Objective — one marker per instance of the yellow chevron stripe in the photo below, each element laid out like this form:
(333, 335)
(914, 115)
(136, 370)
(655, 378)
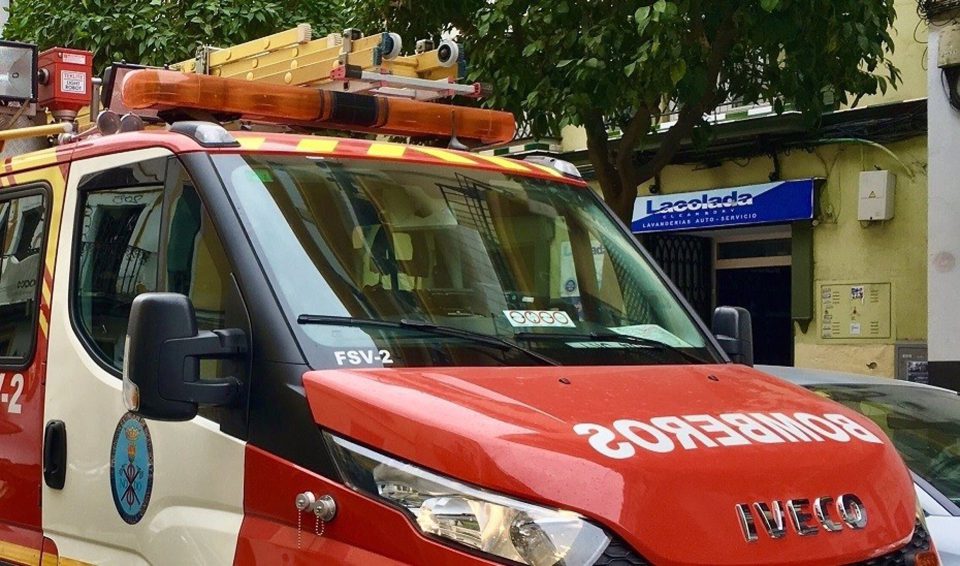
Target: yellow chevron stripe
(45, 291)
(18, 554)
(44, 324)
(33, 159)
(58, 184)
(545, 169)
(318, 145)
(505, 163)
(386, 150)
(446, 155)
(251, 143)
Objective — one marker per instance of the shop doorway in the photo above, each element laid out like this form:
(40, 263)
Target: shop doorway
(746, 267)
(752, 270)
(765, 292)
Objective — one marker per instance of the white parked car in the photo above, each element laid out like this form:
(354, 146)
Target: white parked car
(924, 424)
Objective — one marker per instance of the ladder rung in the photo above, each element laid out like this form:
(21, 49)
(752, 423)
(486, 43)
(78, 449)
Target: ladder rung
(281, 60)
(299, 34)
(291, 57)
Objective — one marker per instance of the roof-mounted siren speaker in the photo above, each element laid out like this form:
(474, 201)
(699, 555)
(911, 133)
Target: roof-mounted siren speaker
(18, 77)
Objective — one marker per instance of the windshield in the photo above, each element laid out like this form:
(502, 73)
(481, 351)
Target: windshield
(537, 263)
(924, 425)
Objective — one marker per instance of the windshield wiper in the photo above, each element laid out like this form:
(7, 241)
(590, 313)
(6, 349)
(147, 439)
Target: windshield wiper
(426, 327)
(612, 337)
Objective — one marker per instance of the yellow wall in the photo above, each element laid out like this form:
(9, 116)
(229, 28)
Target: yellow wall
(910, 38)
(844, 249)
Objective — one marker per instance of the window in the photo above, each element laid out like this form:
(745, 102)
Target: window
(143, 229)
(22, 228)
(470, 249)
(196, 264)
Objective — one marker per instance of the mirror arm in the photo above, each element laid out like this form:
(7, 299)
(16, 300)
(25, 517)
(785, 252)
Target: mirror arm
(186, 352)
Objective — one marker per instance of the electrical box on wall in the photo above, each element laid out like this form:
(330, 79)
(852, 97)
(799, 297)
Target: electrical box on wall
(948, 54)
(876, 195)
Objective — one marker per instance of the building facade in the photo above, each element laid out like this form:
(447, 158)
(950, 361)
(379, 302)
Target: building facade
(769, 217)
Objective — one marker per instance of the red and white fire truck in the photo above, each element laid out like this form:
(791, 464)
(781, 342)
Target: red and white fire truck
(242, 346)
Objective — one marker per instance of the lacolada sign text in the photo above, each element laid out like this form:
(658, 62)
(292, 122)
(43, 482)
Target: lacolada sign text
(781, 201)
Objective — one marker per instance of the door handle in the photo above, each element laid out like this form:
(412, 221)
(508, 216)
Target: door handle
(55, 454)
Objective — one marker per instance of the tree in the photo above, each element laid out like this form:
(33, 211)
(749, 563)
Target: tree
(612, 65)
(154, 32)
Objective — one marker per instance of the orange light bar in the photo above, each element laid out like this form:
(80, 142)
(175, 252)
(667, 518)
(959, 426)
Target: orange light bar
(168, 90)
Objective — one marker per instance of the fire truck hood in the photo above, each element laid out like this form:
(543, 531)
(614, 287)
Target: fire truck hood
(660, 455)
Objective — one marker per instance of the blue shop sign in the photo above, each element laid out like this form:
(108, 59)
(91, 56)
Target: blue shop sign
(780, 201)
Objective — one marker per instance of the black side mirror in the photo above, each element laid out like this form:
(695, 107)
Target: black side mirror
(734, 330)
(161, 366)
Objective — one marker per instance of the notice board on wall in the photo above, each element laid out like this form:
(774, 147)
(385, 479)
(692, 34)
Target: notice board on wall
(854, 310)
(911, 361)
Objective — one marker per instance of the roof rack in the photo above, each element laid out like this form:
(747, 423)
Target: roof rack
(287, 79)
(346, 62)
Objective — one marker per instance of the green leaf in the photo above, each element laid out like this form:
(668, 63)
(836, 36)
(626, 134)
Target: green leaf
(769, 5)
(629, 69)
(678, 70)
(531, 48)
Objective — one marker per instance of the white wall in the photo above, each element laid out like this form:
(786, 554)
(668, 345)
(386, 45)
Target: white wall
(4, 13)
(943, 227)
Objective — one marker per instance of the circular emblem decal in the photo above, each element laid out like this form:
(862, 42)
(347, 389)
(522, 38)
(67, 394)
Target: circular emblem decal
(131, 467)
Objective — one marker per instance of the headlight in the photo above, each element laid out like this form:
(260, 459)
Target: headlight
(478, 519)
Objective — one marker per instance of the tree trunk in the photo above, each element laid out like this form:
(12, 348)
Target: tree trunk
(618, 195)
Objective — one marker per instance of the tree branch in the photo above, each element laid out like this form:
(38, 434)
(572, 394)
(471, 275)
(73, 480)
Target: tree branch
(638, 126)
(691, 114)
(598, 150)
(697, 33)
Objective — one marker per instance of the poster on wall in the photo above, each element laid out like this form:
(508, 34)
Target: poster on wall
(911, 359)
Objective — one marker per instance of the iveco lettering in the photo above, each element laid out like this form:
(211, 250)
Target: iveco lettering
(223, 342)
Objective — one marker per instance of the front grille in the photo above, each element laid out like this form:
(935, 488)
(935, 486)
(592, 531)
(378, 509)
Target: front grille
(619, 554)
(905, 555)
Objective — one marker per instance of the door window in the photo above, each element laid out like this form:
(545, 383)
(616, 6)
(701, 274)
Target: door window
(22, 226)
(143, 229)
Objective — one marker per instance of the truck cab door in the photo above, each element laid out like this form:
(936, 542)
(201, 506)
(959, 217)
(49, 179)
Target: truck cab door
(25, 277)
(135, 490)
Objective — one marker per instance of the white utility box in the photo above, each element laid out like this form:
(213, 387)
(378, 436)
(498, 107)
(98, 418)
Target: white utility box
(876, 195)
